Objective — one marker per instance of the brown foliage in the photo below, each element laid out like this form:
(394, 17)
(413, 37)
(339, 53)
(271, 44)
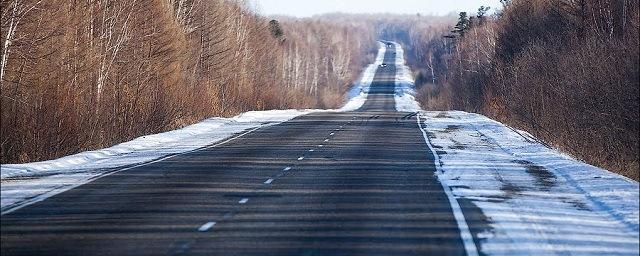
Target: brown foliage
(567, 71)
(79, 75)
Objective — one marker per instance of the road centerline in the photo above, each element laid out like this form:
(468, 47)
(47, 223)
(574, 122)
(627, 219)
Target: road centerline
(205, 227)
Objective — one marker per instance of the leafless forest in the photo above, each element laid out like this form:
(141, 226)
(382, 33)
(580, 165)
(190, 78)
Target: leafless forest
(80, 75)
(565, 70)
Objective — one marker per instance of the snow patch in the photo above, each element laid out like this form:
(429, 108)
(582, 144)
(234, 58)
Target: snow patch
(535, 199)
(149, 147)
(38, 180)
(24, 183)
(405, 90)
(357, 95)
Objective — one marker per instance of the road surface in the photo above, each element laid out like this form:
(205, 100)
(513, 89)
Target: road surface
(332, 183)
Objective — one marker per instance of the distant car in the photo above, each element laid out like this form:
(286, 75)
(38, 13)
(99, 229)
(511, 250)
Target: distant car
(383, 65)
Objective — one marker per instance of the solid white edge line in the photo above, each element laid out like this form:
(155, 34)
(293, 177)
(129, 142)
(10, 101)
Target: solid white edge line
(206, 226)
(465, 234)
(56, 191)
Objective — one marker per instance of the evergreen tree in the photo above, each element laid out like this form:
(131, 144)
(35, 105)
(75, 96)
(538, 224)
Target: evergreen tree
(482, 14)
(462, 25)
(276, 30)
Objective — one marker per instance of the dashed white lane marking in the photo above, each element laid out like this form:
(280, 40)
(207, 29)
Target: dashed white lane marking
(268, 181)
(206, 226)
(300, 158)
(325, 140)
(243, 201)
(332, 133)
(51, 193)
(311, 150)
(286, 168)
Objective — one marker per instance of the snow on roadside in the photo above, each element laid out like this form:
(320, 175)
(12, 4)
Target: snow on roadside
(23, 184)
(405, 86)
(30, 182)
(357, 95)
(149, 147)
(534, 199)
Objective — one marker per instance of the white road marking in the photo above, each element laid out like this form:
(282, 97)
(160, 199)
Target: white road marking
(206, 226)
(286, 168)
(465, 234)
(243, 201)
(300, 158)
(311, 150)
(268, 181)
(320, 145)
(51, 193)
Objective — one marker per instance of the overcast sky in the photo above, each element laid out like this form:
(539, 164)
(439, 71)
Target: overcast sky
(306, 8)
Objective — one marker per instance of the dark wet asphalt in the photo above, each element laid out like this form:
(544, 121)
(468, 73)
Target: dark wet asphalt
(359, 183)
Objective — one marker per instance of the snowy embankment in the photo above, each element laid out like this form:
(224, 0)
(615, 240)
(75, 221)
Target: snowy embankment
(405, 89)
(23, 184)
(534, 200)
(357, 95)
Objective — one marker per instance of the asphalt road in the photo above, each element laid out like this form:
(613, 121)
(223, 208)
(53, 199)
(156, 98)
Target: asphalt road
(351, 183)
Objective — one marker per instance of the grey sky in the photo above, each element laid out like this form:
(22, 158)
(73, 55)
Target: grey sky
(306, 8)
